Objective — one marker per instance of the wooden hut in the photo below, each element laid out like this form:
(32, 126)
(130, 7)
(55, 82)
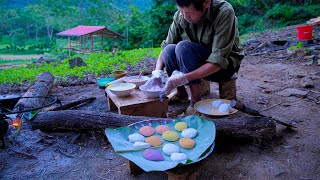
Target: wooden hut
(88, 32)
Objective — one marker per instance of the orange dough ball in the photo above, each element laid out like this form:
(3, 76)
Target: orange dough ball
(146, 131)
(187, 143)
(154, 141)
(162, 128)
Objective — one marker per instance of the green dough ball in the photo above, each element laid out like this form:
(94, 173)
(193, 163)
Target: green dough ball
(170, 135)
(180, 126)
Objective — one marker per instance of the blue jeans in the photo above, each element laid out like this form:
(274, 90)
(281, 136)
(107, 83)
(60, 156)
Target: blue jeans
(188, 56)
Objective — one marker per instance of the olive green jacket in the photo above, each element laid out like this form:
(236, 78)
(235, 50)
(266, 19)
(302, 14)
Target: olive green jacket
(218, 31)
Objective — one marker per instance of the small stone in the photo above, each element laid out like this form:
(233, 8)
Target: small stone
(307, 82)
(309, 57)
(292, 92)
(266, 91)
(308, 63)
(287, 147)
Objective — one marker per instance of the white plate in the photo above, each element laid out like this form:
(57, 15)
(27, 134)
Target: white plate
(205, 107)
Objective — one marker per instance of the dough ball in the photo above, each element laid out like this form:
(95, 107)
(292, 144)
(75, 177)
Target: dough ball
(224, 108)
(146, 131)
(170, 135)
(187, 143)
(154, 141)
(153, 155)
(189, 133)
(141, 145)
(217, 103)
(180, 126)
(136, 138)
(168, 149)
(178, 157)
(162, 128)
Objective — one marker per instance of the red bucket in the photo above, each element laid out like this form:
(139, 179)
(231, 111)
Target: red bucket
(304, 32)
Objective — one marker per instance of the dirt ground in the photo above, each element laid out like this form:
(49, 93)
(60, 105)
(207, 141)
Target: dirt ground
(268, 81)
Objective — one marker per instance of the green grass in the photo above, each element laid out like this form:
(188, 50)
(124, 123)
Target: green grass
(97, 64)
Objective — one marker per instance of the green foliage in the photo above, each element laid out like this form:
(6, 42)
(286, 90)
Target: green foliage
(290, 15)
(98, 64)
(299, 45)
(161, 19)
(30, 28)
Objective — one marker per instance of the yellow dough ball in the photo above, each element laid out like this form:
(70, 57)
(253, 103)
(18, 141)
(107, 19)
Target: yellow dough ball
(170, 135)
(154, 141)
(180, 126)
(187, 143)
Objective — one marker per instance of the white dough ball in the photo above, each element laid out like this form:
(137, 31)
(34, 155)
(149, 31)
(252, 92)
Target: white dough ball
(168, 149)
(178, 157)
(217, 103)
(136, 138)
(141, 145)
(189, 133)
(224, 108)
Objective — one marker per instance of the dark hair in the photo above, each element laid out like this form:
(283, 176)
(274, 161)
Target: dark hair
(198, 4)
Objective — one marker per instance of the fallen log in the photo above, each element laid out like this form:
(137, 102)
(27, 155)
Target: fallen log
(80, 120)
(40, 89)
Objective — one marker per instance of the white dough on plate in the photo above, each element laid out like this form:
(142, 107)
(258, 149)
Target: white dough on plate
(168, 149)
(217, 103)
(178, 157)
(141, 145)
(224, 108)
(189, 133)
(136, 138)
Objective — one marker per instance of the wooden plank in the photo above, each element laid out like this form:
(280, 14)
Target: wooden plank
(137, 104)
(150, 109)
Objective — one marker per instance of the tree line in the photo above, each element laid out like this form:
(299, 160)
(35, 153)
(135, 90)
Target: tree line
(35, 23)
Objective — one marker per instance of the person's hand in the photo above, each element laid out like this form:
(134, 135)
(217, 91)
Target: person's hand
(175, 80)
(158, 73)
(155, 80)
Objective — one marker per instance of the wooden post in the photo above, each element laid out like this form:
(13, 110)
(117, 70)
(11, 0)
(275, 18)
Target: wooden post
(69, 45)
(80, 43)
(91, 42)
(102, 43)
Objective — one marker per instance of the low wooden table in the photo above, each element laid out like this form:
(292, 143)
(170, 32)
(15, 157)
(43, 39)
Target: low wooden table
(187, 172)
(137, 104)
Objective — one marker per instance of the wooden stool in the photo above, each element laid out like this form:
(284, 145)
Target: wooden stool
(227, 89)
(205, 87)
(137, 104)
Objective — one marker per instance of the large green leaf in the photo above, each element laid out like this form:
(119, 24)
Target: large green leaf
(204, 142)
